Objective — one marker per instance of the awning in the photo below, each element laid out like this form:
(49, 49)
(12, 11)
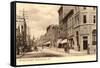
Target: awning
(64, 41)
(59, 41)
(47, 43)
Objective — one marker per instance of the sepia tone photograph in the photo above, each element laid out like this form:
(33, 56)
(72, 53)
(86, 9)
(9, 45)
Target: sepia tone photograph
(51, 33)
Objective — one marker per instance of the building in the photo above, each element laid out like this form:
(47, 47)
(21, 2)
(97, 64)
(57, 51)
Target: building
(21, 24)
(22, 33)
(51, 35)
(79, 26)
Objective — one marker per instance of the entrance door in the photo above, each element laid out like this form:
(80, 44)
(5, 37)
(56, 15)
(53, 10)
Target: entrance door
(85, 42)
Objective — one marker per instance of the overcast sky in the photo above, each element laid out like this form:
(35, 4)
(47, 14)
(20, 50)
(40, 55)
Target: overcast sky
(39, 16)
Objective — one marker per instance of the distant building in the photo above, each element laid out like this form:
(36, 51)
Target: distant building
(78, 25)
(51, 35)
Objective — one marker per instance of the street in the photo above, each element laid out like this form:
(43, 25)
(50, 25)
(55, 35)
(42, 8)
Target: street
(54, 55)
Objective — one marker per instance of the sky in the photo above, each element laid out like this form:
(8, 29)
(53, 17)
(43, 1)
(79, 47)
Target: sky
(39, 17)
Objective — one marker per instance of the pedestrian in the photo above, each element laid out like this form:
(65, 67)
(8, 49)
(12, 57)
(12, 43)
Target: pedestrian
(66, 48)
(35, 48)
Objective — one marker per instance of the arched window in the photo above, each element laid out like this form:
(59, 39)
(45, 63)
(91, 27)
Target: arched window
(94, 37)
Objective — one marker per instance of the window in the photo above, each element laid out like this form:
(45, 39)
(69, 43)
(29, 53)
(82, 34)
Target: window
(84, 19)
(84, 8)
(78, 18)
(76, 33)
(94, 19)
(84, 37)
(22, 27)
(94, 37)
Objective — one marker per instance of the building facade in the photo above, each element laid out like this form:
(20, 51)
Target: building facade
(51, 35)
(79, 25)
(23, 41)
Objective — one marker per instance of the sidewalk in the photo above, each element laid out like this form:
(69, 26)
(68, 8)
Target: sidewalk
(72, 51)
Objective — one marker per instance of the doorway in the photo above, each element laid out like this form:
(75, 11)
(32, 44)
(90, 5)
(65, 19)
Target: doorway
(85, 42)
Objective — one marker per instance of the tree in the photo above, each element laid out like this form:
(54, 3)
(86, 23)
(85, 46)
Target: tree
(18, 43)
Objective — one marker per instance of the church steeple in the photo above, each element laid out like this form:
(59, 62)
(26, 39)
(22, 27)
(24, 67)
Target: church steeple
(24, 26)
